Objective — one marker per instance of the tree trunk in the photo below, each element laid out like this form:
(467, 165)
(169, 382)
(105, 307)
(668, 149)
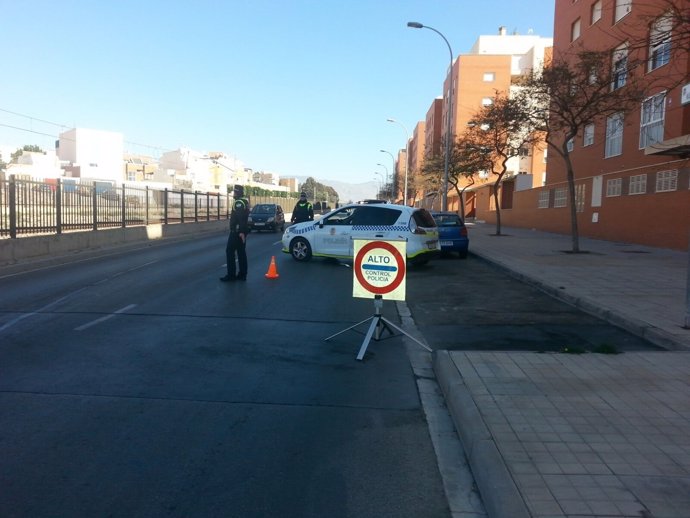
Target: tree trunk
(498, 210)
(574, 233)
(461, 202)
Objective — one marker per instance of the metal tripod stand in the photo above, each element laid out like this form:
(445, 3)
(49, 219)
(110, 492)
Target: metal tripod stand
(378, 324)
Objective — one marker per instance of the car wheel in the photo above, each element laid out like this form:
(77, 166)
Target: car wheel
(300, 249)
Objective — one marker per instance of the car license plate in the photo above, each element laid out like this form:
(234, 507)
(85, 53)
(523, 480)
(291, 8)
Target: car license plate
(259, 224)
(446, 243)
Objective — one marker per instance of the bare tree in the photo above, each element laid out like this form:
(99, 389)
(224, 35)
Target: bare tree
(573, 92)
(668, 23)
(497, 134)
(462, 167)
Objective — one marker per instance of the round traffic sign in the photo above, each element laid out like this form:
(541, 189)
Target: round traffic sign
(379, 267)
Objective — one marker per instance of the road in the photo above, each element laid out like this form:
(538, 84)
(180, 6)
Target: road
(137, 384)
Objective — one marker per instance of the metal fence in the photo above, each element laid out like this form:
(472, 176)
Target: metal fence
(29, 207)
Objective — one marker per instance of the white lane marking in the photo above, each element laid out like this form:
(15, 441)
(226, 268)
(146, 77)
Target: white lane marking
(39, 310)
(103, 319)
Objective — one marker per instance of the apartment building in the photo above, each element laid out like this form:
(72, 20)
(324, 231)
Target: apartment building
(417, 151)
(491, 66)
(91, 154)
(632, 170)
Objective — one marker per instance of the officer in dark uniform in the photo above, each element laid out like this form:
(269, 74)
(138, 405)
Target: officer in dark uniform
(237, 240)
(303, 210)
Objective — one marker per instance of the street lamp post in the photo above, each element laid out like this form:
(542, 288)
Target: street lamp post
(446, 162)
(389, 186)
(407, 158)
(378, 185)
(382, 180)
(385, 181)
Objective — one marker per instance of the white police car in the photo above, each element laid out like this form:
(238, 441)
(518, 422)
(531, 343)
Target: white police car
(332, 235)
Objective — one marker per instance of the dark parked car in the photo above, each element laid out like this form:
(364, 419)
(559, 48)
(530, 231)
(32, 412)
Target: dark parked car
(267, 216)
(452, 233)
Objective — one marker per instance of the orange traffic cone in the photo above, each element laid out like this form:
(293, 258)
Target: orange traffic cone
(272, 273)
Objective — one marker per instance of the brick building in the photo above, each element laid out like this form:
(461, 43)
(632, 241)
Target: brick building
(632, 171)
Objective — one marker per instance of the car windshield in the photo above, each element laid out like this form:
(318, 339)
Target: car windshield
(264, 209)
(363, 215)
(447, 220)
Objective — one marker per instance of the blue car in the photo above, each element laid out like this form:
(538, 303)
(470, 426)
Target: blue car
(452, 233)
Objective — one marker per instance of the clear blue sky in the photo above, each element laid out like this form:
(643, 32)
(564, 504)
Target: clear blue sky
(295, 87)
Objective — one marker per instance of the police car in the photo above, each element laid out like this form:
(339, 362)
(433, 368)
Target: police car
(332, 235)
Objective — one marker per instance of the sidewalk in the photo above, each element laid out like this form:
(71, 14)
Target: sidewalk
(553, 435)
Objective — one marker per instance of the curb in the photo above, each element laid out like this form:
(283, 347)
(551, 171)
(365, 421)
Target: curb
(499, 493)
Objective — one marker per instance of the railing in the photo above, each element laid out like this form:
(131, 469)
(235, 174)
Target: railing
(35, 207)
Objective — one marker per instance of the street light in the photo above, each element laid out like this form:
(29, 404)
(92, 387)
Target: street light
(378, 185)
(382, 182)
(385, 182)
(390, 186)
(417, 25)
(407, 140)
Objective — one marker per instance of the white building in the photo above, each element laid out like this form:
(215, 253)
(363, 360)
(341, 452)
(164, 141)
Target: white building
(93, 154)
(36, 165)
(527, 50)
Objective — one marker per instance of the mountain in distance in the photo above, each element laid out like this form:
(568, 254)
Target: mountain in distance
(348, 192)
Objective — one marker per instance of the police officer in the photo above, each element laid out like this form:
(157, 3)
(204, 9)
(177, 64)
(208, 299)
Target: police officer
(303, 210)
(237, 240)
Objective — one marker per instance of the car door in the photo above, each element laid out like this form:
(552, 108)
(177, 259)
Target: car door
(334, 233)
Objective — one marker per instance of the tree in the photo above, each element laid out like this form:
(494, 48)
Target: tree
(497, 134)
(462, 167)
(29, 148)
(572, 92)
(318, 191)
(669, 30)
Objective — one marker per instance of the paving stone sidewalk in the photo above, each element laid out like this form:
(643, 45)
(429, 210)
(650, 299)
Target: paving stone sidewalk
(592, 435)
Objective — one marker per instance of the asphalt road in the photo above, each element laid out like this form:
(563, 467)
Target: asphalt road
(137, 384)
(472, 305)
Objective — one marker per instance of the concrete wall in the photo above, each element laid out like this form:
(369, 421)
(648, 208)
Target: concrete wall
(41, 247)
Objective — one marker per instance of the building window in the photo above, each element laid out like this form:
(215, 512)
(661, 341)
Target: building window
(489, 77)
(620, 66)
(487, 101)
(593, 75)
(543, 199)
(667, 181)
(638, 184)
(660, 42)
(570, 145)
(614, 187)
(575, 30)
(622, 8)
(588, 135)
(614, 135)
(559, 197)
(595, 12)
(652, 120)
